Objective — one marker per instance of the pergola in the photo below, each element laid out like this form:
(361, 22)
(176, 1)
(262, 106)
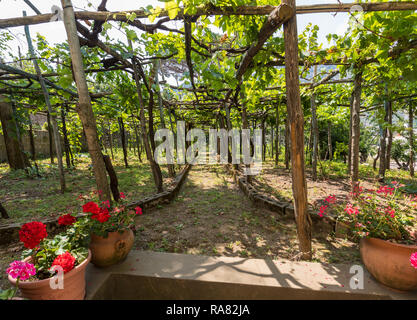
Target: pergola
(283, 15)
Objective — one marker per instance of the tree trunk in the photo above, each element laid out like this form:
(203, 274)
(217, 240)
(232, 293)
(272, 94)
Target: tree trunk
(15, 155)
(411, 137)
(376, 158)
(84, 108)
(31, 140)
(111, 142)
(245, 125)
(51, 148)
(277, 146)
(296, 121)
(66, 142)
(389, 137)
(123, 139)
(287, 144)
(3, 212)
(171, 168)
(356, 106)
(383, 144)
(349, 165)
(329, 141)
(263, 139)
(156, 170)
(114, 183)
(315, 133)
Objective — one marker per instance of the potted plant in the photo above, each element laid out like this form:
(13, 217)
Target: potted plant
(382, 219)
(51, 269)
(111, 234)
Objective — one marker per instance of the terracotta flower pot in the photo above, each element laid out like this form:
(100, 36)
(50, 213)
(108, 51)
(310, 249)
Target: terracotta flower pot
(74, 285)
(111, 250)
(389, 263)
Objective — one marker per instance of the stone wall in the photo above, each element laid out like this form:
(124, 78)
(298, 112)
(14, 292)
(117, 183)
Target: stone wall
(41, 144)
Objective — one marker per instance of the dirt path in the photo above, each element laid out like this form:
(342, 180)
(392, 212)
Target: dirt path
(212, 216)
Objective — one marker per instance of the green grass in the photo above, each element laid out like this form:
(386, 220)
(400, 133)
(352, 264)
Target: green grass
(28, 197)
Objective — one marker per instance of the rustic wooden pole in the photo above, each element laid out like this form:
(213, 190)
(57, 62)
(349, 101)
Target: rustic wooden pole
(389, 137)
(349, 164)
(208, 11)
(356, 106)
(314, 130)
(114, 182)
(55, 131)
(123, 140)
(156, 170)
(296, 123)
(277, 137)
(84, 109)
(411, 136)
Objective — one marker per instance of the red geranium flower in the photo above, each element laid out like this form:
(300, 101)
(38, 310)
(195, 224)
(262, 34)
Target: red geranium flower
(138, 210)
(331, 199)
(66, 261)
(32, 233)
(102, 216)
(91, 207)
(66, 220)
(122, 195)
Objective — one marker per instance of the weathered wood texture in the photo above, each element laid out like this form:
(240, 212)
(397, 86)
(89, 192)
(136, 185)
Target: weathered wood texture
(84, 108)
(225, 11)
(356, 105)
(296, 124)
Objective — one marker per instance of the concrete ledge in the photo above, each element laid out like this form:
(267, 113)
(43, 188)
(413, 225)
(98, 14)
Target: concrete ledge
(153, 275)
(10, 232)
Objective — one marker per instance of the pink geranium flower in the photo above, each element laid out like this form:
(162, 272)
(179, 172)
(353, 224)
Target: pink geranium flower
(331, 199)
(413, 260)
(22, 270)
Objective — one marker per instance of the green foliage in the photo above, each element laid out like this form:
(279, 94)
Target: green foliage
(383, 214)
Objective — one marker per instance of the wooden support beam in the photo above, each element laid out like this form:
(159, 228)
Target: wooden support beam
(211, 10)
(296, 124)
(56, 135)
(84, 108)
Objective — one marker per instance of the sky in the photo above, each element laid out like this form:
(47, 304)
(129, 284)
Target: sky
(55, 31)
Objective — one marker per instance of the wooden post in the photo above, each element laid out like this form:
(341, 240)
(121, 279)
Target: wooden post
(411, 136)
(349, 164)
(296, 122)
(66, 142)
(55, 131)
(329, 140)
(156, 170)
(356, 106)
(123, 139)
(287, 144)
(314, 131)
(277, 145)
(114, 182)
(84, 109)
(389, 137)
(51, 149)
